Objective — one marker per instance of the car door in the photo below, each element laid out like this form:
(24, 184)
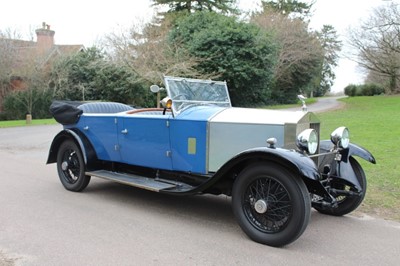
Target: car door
(144, 140)
(101, 130)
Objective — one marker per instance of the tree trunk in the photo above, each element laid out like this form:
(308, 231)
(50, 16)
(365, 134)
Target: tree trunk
(393, 83)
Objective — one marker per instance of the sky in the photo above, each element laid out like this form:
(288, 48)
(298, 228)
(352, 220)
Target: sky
(86, 22)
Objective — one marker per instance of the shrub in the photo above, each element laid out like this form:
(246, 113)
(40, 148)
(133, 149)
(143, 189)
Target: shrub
(369, 89)
(33, 101)
(350, 90)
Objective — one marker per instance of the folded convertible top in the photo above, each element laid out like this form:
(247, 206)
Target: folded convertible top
(66, 113)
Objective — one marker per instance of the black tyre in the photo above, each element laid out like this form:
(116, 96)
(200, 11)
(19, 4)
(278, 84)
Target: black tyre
(71, 167)
(348, 204)
(271, 204)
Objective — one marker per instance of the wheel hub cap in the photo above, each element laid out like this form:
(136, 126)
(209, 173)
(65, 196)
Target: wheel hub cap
(261, 206)
(64, 166)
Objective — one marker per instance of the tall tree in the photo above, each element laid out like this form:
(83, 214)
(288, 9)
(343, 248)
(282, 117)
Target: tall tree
(21, 62)
(288, 7)
(300, 55)
(377, 45)
(331, 46)
(235, 51)
(8, 57)
(224, 6)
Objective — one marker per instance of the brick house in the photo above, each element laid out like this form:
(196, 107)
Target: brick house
(22, 53)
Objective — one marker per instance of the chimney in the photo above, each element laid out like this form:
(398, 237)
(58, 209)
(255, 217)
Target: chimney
(45, 38)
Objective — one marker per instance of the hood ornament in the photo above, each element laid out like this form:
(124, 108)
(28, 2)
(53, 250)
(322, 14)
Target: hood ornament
(303, 101)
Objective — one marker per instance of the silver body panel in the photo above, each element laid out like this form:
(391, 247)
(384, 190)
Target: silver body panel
(237, 129)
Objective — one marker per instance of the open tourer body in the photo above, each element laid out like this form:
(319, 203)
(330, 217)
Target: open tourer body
(271, 162)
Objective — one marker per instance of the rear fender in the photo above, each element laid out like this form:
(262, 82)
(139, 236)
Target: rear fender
(88, 153)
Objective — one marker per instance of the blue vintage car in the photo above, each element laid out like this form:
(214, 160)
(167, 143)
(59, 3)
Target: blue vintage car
(270, 162)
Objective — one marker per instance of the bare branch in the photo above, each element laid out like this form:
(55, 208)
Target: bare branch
(147, 51)
(296, 45)
(377, 44)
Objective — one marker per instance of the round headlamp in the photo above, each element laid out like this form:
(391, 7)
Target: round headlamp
(341, 137)
(307, 141)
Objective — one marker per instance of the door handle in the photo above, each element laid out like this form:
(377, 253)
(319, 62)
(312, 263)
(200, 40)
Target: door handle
(125, 131)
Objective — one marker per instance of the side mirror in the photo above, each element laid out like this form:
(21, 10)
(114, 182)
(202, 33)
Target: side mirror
(154, 88)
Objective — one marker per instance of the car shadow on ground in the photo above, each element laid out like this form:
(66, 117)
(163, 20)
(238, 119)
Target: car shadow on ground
(213, 211)
(211, 215)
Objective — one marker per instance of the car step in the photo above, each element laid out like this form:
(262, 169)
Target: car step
(132, 180)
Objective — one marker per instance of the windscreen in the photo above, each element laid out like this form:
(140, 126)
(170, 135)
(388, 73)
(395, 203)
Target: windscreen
(186, 93)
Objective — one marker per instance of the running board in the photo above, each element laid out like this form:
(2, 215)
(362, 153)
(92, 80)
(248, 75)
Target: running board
(132, 180)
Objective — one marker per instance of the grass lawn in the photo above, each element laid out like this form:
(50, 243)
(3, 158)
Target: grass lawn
(298, 104)
(374, 123)
(19, 123)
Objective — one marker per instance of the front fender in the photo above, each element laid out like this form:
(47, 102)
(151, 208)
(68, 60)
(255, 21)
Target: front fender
(353, 149)
(343, 169)
(89, 155)
(298, 163)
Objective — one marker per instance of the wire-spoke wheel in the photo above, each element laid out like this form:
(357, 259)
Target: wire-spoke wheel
(271, 204)
(267, 205)
(71, 167)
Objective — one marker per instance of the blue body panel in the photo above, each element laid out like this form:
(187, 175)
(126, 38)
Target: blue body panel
(102, 132)
(152, 140)
(189, 139)
(147, 141)
(189, 145)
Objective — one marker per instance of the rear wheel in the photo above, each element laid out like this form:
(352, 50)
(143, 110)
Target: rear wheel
(71, 167)
(271, 205)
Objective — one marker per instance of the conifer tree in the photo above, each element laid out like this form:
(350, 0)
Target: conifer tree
(223, 6)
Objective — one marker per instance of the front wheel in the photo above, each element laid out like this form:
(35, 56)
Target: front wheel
(347, 204)
(271, 205)
(71, 167)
